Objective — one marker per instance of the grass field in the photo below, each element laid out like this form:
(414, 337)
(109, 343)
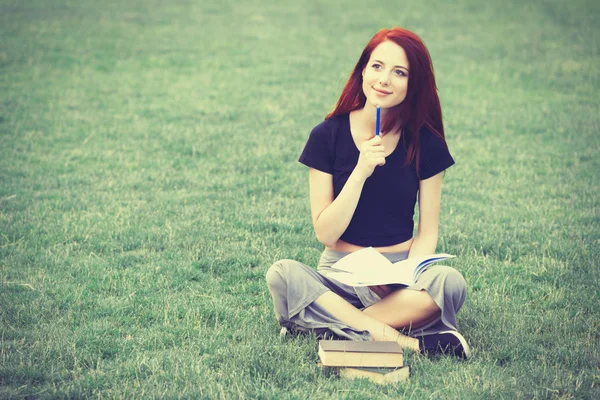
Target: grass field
(148, 178)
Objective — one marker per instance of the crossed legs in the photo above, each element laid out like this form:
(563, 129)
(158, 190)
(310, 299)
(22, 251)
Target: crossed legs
(401, 309)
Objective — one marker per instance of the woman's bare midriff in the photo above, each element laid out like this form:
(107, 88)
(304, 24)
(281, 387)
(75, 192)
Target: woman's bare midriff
(349, 248)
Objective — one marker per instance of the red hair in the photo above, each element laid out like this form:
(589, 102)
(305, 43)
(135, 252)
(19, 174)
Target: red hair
(421, 107)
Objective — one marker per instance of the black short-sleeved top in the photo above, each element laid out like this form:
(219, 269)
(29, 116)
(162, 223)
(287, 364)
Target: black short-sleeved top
(385, 210)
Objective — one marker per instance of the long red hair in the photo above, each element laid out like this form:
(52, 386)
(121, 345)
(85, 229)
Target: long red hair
(421, 107)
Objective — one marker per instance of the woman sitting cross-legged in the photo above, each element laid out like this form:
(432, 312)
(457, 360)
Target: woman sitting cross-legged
(363, 191)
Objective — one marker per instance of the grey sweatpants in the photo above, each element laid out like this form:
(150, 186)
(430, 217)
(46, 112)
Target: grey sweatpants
(295, 286)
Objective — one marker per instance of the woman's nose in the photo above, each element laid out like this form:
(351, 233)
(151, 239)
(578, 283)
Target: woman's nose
(384, 79)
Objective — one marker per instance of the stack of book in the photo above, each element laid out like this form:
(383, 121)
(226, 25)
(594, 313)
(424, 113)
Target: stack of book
(381, 362)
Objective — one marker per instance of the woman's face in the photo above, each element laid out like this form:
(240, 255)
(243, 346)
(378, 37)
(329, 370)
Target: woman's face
(385, 77)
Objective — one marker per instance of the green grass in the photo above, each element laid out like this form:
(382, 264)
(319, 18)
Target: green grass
(148, 178)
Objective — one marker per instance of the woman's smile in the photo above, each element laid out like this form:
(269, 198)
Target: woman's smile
(381, 92)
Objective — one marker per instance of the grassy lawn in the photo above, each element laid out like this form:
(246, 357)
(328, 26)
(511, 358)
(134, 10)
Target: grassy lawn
(148, 178)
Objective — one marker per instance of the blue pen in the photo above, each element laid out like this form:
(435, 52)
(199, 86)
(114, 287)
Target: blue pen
(378, 121)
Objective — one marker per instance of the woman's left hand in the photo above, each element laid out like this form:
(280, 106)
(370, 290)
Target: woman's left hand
(381, 290)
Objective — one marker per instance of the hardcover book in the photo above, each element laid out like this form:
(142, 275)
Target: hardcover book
(381, 376)
(347, 353)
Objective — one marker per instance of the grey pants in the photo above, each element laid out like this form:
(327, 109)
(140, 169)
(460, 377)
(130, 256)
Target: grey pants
(294, 287)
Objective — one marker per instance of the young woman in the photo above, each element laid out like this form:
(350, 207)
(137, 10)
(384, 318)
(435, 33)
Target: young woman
(363, 190)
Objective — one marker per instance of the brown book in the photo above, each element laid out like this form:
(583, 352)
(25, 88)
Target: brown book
(347, 353)
(381, 376)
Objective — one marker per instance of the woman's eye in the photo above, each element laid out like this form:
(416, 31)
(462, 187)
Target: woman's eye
(376, 66)
(399, 72)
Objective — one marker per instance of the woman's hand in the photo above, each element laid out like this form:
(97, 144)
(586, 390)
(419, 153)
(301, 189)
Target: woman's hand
(381, 290)
(372, 154)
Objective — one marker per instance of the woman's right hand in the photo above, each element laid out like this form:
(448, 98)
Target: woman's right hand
(372, 154)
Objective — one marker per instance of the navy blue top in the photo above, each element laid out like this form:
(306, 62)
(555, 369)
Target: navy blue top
(385, 210)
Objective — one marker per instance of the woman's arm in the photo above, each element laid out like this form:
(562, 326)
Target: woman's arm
(430, 194)
(331, 217)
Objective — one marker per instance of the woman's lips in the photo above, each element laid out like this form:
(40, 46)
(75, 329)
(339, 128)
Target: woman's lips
(382, 92)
